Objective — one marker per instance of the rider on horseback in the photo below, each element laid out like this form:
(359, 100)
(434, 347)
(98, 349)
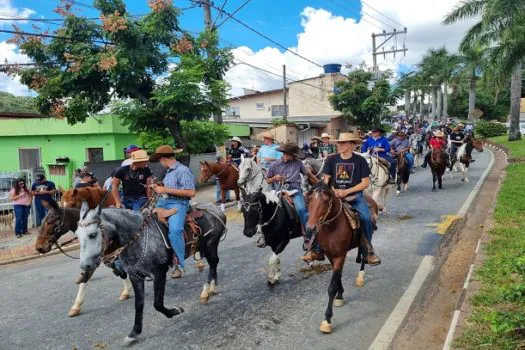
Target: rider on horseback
(401, 145)
(457, 137)
(349, 175)
(268, 152)
(287, 173)
(436, 142)
(380, 145)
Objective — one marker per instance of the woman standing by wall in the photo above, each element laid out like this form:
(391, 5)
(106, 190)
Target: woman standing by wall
(21, 197)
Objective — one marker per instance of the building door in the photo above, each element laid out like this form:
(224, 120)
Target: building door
(29, 158)
(95, 155)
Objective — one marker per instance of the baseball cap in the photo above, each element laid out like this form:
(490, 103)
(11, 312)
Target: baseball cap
(131, 148)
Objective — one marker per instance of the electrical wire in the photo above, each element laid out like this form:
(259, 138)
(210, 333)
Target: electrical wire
(382, 14)
(55, 37)
(355, 13)
(233, 13)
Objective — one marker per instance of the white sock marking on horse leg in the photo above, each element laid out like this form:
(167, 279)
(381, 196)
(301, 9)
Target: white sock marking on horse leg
(223, 207)
(213, 287)
(272, 266)
(205, 294)
(79, 300)
(127, 287)
(239, 206)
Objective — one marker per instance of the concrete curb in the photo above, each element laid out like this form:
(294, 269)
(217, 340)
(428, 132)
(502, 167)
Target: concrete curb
(37, 256)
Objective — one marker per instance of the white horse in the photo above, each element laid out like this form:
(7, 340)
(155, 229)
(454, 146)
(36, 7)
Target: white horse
(251, 177)
(379, 187)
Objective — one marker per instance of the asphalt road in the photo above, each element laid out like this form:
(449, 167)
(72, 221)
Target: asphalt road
(36, 296)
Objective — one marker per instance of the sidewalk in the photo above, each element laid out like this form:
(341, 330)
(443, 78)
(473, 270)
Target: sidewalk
(14, 249)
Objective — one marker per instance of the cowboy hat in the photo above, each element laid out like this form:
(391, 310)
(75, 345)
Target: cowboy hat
(324, 134)
(139, 156)
(163, 151)
(349, 137)
(268, 135)
(401, 133)
(235, 138)
(378, 129)
(439, 133)
(293, 149)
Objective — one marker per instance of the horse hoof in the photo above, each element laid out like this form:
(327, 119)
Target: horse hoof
(204, 300)
(200, 265)
(73, 312)
(325, 327)
(339, 302)
(128, 341)
(272, 282)
(359, 281)
(123, 297)
(213, 289)
(398, 193)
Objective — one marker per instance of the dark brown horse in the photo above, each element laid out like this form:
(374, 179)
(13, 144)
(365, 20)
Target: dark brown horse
(336, 236)
(228, 176)
(438, 165)
(93, 195)
(403, 174)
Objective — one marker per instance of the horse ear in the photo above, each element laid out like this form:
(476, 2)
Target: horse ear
(84, 209)
(74, 193)
(206, 163)
(202, 163)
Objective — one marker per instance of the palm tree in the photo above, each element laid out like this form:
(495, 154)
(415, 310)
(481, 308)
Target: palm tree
(501, 29)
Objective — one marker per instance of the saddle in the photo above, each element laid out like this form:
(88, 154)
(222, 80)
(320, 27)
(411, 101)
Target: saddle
(384, 162)
(287, 202)
(192, 231)
(352, 217)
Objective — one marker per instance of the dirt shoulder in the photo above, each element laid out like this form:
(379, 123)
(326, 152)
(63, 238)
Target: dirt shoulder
(429, 321)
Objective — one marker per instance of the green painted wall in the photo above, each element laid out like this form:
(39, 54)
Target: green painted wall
(239, 130)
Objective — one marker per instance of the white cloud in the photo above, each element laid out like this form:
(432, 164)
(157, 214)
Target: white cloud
(8, 10)
(9, 84)
(329, 38)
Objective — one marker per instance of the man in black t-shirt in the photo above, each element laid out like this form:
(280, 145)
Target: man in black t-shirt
(135, 179)
(456, 139)
(349, 174)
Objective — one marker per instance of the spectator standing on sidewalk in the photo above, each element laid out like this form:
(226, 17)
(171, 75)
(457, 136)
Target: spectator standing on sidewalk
(135, 179)
(43, 190)
(21, 198)
(218, 199)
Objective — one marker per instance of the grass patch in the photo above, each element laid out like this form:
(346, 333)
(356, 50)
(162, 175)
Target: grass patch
(516, 148)
(498, 317)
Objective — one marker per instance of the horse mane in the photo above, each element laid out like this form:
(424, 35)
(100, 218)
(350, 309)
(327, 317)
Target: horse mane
(123, 224)
(93, 196)
(271, 197)
(321, 186)
(53, 204)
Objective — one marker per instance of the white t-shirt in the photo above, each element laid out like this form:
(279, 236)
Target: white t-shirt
(107, 183)
(126, 162)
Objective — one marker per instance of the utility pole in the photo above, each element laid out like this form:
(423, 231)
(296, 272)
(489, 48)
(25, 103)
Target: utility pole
(375, 47)
(285, 114)
(207, 14)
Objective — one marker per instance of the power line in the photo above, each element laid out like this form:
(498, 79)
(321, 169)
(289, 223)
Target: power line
(219, 14)
(367, 14)
(55, 37)
(355, 13)
(382, 14)
(233, 13)
(265, 36)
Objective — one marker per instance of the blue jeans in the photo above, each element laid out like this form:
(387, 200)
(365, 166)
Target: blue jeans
(410, 159)
(300, 208)
(218, 192)
(40, 211)
(134, 204)
(361, 206)
(21, 215)
(176, 226)
(393, 164)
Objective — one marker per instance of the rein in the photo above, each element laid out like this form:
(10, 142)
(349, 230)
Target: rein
(56, 232)
(324, 220)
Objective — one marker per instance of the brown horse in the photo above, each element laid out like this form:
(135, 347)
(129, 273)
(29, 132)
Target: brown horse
(464, 155)
(336, 236)
(93, 195)
(228, 176)
(403, 174)
(438, 165)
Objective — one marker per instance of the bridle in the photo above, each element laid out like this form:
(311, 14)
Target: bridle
(57, 233)
(251, 176)
(324, 220)
(247, 206)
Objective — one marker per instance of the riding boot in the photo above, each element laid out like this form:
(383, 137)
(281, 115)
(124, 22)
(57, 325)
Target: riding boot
(425, 160)
(370, 256)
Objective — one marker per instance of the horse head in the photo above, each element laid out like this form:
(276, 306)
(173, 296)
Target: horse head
(49, 232)
(89, 234)
(477, 144)
(206, 171)
(252, 210)
(246, 169)
(319, 199)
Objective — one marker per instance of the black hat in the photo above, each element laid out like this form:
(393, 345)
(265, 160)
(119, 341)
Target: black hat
(40, 177)
(378, 129)
(293, 149)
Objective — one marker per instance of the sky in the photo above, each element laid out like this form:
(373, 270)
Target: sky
(323, 31)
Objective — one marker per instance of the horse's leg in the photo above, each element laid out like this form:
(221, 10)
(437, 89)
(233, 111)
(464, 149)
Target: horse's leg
(360, 279)
(398, 183)
(223, 199)
(440, 181)
(337, 268)
(210, 288)
(138, 289)
(159, 286)
(125, 293)
(79, 300)
(464, 171)
(274, 269)
(339, 300)
(433, 181)
(406, 178)
(238, 199)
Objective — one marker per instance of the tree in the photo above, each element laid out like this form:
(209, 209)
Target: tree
(11, 103)
(160, 74)
(363, 102)
(501, 28)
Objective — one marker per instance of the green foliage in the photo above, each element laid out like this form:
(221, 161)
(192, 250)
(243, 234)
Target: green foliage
(362, 105)
(162, 73)
(201, 136)
(490, 129)
(11, 103)
(281, 121)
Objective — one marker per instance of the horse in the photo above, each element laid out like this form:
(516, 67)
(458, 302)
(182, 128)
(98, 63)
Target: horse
(228, 176)
(144, 250)
(416, 149)
(316, 168)
(57, 223)
(402, 173)
(379, 173)
(438, 165)
(265, 211)
(464, 156)
(73, 198)
(336, 235)
(251, 177)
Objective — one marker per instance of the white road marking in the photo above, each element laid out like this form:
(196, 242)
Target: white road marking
(450, 335)
(477, 247)
(467, 280)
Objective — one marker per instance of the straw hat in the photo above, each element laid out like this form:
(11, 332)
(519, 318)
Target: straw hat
(293, 149)
(349, 137)
(268, 135)
(324, 134)
(439, 133)
(163, 151)
(236, 138)
(139, 156)
(401, 134)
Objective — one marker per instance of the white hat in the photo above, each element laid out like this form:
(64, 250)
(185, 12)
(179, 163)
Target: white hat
(324, 134)
(236, 138)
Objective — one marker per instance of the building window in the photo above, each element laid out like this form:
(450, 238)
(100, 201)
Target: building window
(278, 110)
(233, 111)
(95, 155)
(57, 170)
(259, 106)
(29, 158)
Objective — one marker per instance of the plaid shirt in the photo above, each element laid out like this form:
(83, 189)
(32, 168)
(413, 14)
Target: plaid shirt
(179, 177)
(290, 170)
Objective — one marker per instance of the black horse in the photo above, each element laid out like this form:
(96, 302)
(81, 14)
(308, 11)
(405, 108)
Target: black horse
(403, 173)
(145, 251)
(279, 224)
